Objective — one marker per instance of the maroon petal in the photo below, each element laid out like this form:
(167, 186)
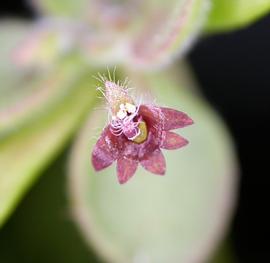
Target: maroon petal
(126, 168)
(155, 162)
(172, 141)
(174, 119)
(105, 151)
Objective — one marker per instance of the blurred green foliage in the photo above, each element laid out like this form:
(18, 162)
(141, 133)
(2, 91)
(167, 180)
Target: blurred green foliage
(46, 93)
(42, 228)
(233, 14)
(152, 218)
(34, 145)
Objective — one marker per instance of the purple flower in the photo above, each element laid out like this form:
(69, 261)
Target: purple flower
(136, 134)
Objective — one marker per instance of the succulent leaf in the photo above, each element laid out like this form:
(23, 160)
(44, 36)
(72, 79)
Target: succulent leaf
(26, 150)
(27, 93)
(158, 219)
(167, 30)
(46, 42)
(61, 8)
(233, 14)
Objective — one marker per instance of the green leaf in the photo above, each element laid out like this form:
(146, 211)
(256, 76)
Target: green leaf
(12, 78)
(167, 29)
(46, 42)
(40, 230)
(176, 218)
(65, 8)
(26, 100)
(234, 14)
(27, 93)
(29, 148)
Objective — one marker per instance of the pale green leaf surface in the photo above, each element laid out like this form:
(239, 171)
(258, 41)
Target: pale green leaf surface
(61, 8)
(176, 218)
(36, 96)
(25, 93)
(11, 34)
(166, 30)
(233, 14)
(145, 34)
(24, 153)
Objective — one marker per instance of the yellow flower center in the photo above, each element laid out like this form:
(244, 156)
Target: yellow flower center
(142, 136)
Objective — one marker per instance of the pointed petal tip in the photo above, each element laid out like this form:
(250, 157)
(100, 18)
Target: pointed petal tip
(189, 121)
(155, 163)
(174, 119)
(123, 181)
(161, 173)
(95, 163)
(183, 119)
(99, 164)
(126, 168)
(103, 155)
(172, 141)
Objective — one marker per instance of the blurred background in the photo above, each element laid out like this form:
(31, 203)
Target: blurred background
(234, 74)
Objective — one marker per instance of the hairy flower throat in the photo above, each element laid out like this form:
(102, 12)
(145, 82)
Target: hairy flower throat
(124, 113)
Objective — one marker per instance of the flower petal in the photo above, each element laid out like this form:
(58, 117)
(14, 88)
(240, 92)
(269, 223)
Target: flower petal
(105, 152)
(150, 113)
(126, 168)
(155, 162)
(174, 119)
(172, 141)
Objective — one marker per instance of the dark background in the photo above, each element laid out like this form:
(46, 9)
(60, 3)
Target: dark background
(233, 70)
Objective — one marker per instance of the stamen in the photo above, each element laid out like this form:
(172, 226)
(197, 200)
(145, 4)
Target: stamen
(121, 114)
(130, 107)
(122, 106)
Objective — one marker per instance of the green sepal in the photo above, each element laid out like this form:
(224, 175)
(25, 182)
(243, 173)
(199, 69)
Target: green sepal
(234, 14)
